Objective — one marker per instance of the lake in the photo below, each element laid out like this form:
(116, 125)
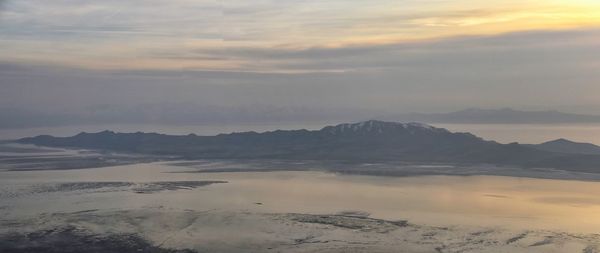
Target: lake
(509, 202)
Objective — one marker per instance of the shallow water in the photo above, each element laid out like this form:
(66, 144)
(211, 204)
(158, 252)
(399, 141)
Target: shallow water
(511, 202)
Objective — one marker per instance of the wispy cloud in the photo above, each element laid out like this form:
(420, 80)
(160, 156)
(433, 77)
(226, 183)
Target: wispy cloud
(224, 35)
(536, 70)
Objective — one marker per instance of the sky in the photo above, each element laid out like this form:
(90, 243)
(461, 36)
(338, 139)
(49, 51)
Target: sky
(343, 57)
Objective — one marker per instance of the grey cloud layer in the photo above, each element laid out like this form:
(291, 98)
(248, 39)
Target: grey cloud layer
(27, 25)
(527, 70)
(536, 70)
(566, 48)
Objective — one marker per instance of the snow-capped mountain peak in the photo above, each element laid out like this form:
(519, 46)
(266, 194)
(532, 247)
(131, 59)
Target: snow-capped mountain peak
(379, 127)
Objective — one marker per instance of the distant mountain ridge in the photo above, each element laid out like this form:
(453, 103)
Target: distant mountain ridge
(365, 141)
(496, 116)
(568, 147)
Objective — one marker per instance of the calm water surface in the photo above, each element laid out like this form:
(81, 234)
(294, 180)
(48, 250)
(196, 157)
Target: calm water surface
(434, 200)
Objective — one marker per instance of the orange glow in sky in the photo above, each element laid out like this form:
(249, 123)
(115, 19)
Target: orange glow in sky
(116, 35)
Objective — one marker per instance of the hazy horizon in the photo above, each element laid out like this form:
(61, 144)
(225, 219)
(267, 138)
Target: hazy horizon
(363, 58)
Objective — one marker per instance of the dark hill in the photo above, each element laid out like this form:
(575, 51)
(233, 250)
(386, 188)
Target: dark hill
(568, 147)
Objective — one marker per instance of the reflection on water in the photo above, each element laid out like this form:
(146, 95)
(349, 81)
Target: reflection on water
(434, 200)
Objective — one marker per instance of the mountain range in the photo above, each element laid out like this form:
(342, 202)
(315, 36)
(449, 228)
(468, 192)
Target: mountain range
(568, 147)
(365, 141)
